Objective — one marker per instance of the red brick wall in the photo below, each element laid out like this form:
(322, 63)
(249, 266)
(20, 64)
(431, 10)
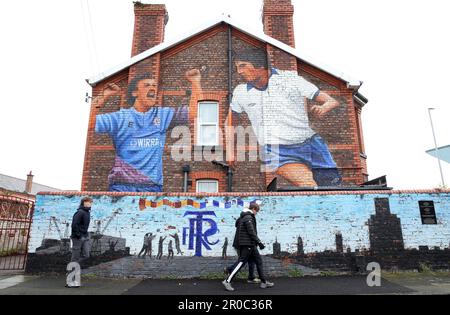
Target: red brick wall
(278, 20)
(149, 26)
(208, 52)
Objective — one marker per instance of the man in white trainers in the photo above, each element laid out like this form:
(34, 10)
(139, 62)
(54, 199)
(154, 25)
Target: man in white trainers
(248, 243)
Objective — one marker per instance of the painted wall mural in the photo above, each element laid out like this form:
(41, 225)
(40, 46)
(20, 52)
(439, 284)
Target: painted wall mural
(275, 102)
(138, 134)
(288, 116)
(134, 227)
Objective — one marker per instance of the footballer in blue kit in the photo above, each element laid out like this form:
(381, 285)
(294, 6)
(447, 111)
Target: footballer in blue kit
(139, 136)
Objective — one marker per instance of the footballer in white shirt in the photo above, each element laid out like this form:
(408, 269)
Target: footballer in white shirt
(275, 103)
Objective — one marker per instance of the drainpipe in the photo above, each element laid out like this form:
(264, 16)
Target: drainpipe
(229, 174)
(186, 170)
(230, 65)
(229, 179)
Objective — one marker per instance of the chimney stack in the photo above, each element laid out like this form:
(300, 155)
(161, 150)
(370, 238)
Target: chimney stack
(149, 25)
(29, 183)
(278, 20)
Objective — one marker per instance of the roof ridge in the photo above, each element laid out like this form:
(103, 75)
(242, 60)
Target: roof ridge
(228, 20)
(24, 180)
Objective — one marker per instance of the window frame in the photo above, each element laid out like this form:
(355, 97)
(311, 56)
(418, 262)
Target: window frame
(198, 181)
(200, 124)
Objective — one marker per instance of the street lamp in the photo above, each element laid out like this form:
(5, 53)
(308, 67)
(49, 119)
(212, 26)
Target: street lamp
(436, 147)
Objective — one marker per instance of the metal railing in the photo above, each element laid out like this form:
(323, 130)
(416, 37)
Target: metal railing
(15, 221)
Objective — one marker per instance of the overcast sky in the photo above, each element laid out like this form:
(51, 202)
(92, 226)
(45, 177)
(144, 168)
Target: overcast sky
(400, 49)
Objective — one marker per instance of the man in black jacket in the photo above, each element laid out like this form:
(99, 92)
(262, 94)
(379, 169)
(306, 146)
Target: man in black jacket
(247, 241)
(251, 264)
(80, 235)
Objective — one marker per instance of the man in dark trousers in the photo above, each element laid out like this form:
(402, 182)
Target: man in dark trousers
(80, 235)
(251, 264)
(247, 240)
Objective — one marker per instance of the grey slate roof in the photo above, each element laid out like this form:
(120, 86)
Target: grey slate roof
(18, 185)
(258, 34)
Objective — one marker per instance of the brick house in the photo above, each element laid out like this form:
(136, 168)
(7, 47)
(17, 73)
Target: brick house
(198, 113)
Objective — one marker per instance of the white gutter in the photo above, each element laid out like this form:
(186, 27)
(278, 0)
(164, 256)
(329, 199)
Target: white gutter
(351, 83)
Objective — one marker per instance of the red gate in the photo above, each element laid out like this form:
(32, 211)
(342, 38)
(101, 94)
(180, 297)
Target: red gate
(15, 222)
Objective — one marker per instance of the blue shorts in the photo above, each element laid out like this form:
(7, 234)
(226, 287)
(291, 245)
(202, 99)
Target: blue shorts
(134, 188)
(313, 153)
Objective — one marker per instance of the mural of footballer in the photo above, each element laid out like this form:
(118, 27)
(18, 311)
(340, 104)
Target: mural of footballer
(275, 103)
(138, 134)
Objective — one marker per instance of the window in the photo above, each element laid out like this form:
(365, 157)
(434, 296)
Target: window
(207, 186)
(208, 126)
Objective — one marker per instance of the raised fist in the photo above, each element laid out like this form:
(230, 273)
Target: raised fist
(111, 89)
(193, 76)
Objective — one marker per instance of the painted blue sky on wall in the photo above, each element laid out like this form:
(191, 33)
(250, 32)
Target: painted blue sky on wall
(315, 218)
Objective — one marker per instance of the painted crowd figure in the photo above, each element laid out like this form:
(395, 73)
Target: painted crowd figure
(160, 247)
(177, 243)
(224, 248)
(147, 245)
(170, 250)
(144, 249)
(150, 239)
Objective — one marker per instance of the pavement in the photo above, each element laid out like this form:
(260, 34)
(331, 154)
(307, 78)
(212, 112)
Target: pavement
(188, 266)
(391, 284)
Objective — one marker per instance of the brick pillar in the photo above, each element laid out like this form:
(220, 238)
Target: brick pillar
(149, 25)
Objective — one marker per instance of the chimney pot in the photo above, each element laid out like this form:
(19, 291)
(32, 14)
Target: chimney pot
(29, 183)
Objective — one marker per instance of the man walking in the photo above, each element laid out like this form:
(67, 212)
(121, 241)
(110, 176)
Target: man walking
(247, 241)
(80, 236)
(251, 263)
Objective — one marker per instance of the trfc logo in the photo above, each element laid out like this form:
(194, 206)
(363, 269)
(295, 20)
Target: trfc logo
(195, 234)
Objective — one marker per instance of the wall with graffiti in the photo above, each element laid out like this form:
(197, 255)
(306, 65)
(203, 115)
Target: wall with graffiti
(306, 228)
